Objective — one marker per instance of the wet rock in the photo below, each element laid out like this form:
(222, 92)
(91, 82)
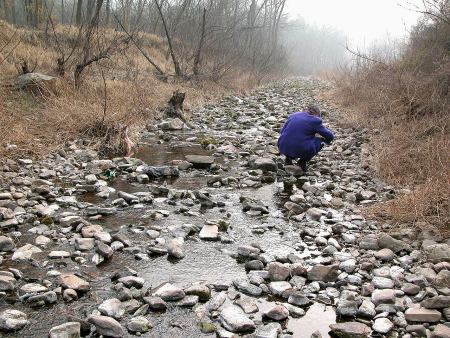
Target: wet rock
(107, 326)
(351, 330)
(244, 286)
(422, 315)
(382, 325)
(278, 271)
(158, 172)
(12, 320)
(112, 308)
(367, 309)
(200, 290)
(265, 164)
(70, 295)
(270, 330)
(171, 124)
(7, 281)
(323, 273)
(276, 312)
(6, 244)
(175, 248)
(132, 281)
(235, 320)
(298, 299)
(199, 161)
(66, 330)
(169, 292)
(139, 324)
(155, 303)
(104, 250)
(217, 301)
(84, 244)
(70, 281)
(385, 296)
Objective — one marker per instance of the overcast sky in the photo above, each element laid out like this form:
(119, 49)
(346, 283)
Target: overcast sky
(364, 21)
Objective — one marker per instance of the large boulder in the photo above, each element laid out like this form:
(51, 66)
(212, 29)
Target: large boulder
(37, 83)
(171, 124)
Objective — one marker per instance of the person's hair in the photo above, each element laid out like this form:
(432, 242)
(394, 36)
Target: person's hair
(313, 109)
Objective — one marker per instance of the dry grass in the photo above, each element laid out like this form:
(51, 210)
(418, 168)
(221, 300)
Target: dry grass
(404, 103)
(37, 125)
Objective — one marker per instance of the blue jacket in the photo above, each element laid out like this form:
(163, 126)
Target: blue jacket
(298, 136)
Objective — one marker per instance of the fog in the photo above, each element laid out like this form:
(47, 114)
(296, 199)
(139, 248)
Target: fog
(317, 32)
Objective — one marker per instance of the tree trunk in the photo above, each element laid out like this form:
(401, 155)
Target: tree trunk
(176, 64)
(79, 12)
(62, 12)
(197, 58)
(108, 12)
(90, 10)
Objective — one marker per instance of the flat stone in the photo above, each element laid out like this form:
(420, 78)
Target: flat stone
(58, 254)
(437, 302)
(84, 244)
(235, 320)
(107, 326)
(66, 330)
(270, 330)
(265, 164)
(139, 324)
(200, 161)
(70, 281)
(33, 288)
(209, 233)
(422, 315)
(351, 330)
(323, 273)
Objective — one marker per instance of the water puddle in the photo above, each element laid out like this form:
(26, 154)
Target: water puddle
(319, 317)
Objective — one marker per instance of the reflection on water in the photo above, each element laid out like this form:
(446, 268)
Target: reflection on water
(318, 318)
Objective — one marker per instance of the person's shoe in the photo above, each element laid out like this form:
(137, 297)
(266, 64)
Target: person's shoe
(288, 161)
(303, 164)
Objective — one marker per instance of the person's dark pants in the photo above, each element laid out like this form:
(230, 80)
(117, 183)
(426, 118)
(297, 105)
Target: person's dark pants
(303, 162)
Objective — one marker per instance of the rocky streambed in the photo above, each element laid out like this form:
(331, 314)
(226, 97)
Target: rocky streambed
(206, 233)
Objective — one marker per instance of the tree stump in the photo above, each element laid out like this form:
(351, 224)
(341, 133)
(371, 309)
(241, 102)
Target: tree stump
(175, 107)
